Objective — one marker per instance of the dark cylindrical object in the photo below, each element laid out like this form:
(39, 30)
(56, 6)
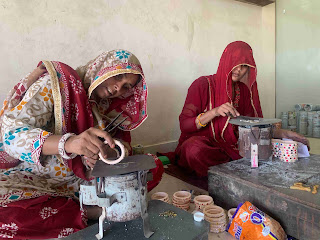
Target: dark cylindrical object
(255, 135)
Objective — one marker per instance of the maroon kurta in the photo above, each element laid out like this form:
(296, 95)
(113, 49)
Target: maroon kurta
(197, 149)
(217, 142)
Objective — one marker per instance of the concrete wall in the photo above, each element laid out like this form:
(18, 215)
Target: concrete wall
(266, 68)
(297, 53)
(176, 41)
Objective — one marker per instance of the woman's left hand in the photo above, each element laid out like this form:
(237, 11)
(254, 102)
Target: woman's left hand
(298, 138)
(282, 133)
(91, 161)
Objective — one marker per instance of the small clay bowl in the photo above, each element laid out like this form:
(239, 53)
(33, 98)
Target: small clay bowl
(213, 211)
(218, 226)
(183, 196)
(184, 206)
(216, 221)
(201, 201)
(179, 202)
(217, 229)
(162, 196)
(231, 212)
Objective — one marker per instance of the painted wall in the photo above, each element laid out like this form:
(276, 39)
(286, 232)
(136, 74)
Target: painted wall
(266, 67)
(176, 41)
(297, 53)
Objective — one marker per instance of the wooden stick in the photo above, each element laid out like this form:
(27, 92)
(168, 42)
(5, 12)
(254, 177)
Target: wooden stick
(299, 186)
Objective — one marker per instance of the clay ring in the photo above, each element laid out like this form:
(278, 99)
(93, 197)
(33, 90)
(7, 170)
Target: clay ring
(122, 152)
(231, 212)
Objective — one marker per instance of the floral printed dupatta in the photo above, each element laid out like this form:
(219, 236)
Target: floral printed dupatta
(12, 100)
(72, 111)
(133, 103)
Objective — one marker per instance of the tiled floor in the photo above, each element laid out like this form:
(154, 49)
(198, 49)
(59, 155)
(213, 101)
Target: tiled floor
(171, 184)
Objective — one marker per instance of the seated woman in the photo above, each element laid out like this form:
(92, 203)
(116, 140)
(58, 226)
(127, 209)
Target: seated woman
(47, 123)
(207, 138)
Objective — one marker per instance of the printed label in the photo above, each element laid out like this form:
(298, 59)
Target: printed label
(244, 216)
(254, 155)
(237, 231)
(256, 218)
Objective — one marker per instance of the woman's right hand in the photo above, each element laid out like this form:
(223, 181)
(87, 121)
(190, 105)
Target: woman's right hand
(226, 109)
(89, 145)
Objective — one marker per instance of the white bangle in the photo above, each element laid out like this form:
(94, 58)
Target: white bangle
(61, 146)
(122, 153)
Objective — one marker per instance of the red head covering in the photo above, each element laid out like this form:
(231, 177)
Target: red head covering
(235, 54)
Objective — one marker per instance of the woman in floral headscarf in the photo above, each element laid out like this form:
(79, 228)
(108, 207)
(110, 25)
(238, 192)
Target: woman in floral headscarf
(47, 122)
(207, 138)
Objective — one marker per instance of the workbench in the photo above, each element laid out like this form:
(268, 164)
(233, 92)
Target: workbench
(182, 226)
(268, 188)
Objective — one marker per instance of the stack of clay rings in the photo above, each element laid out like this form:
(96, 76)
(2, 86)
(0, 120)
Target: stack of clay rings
(231, 212)
(286, 151)
(216, 217)
(201, 201)
(162, 196)
(181, 199)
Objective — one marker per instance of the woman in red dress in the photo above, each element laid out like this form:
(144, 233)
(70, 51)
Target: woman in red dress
(207, 138)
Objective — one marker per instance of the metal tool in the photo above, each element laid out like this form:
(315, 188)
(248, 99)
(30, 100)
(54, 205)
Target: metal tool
(112, 122)
(119, 148)
(129, 164)
(252, 121)
(121, 191)
(255, 136)
(142, 180)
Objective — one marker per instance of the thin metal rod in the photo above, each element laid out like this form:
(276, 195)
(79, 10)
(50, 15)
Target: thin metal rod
(118, 124)
(109, 125)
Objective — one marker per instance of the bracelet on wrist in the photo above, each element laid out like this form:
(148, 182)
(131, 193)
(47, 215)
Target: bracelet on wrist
(61, 146)
(198, 117)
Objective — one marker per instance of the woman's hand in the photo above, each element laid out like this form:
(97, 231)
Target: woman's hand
(89, 145)
(35, 74)
(282, 133)
(91, 162)
(226, 109)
